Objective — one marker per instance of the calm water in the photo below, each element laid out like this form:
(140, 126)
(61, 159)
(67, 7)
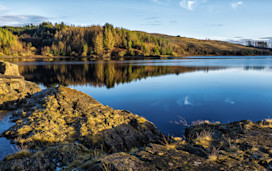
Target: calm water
(5, 146)
(198, 88)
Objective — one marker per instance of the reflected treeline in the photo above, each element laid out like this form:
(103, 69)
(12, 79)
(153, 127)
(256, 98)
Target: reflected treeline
(98, 74)
(257, 68)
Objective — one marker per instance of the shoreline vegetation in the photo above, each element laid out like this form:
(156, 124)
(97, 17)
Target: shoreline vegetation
(53, 41)
(64, 129)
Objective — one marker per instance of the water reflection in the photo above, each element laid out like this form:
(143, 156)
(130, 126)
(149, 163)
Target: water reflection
(98, 74)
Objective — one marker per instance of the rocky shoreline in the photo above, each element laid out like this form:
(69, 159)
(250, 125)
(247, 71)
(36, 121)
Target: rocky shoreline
(64, 129)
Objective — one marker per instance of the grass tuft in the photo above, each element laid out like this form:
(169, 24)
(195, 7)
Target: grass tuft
(214, 155)
(166, 142)
(19, 152)
(204, 138)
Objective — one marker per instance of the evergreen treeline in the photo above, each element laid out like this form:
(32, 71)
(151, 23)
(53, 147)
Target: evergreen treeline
(107, 41)
(258, 44)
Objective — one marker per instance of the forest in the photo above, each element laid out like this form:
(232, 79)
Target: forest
(47, 39)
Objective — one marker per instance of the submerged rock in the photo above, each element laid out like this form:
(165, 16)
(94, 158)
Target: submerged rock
(13, 87)
(59, 115)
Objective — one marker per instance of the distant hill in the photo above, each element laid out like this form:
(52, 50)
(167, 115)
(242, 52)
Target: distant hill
(47, 39)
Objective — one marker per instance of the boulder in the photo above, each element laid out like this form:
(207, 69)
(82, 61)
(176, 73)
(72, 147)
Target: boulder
(7, 68)
(13, 87)
(242, 145)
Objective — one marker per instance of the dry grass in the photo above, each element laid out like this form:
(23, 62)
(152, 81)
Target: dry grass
(214, 155)
(267, 123)
(231, 144)
(106, 167)
(167, 144)
(19, 152)
(204, 138)
(19, 155)
(87, 160)
(204, 135)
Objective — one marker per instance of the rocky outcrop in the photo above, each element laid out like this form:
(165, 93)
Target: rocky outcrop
(13, 87)
(155, 157)
(63, 128)
(59, 115)
(236, 146)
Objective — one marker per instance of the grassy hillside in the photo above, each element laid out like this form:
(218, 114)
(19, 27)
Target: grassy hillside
(211, 47)
(107, 41)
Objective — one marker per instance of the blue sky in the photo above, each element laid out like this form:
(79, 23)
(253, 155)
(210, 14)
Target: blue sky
(214, 19)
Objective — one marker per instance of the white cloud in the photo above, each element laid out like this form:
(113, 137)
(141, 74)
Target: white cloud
(188, 4)
(20, 20)
(9, 17)
(236, 4)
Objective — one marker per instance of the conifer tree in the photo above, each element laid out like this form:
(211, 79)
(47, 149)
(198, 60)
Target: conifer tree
(109, 40)
(98, 43)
